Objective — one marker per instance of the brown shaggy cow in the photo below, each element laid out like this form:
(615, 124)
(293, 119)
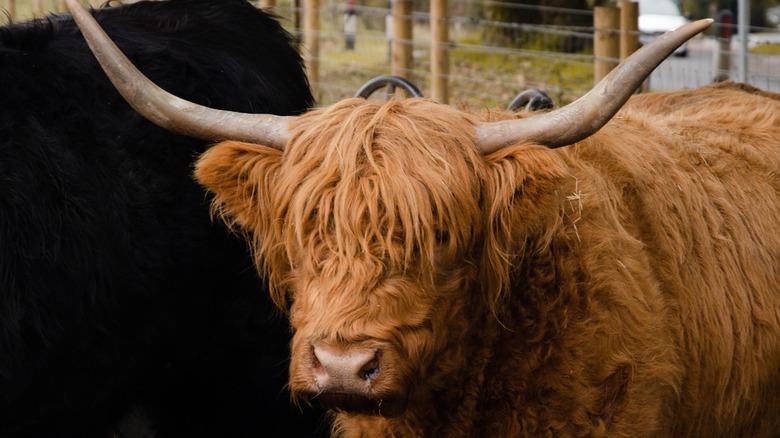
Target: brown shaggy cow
(625, 285)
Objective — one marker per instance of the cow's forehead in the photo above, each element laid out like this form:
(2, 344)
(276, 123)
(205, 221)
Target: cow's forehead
(385, 180)
(416, 125)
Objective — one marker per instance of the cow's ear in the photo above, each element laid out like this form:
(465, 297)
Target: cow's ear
(240, 175)
(521, 196)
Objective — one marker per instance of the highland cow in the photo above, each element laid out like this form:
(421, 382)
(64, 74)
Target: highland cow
(566, 273)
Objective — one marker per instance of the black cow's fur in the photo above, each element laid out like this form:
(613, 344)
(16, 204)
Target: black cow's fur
(123, 308)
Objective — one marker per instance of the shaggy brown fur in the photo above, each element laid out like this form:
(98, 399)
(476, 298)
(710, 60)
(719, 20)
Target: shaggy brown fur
(624, 286)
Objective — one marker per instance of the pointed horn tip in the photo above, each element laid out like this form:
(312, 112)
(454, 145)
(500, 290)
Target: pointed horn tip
(702, 24)
(696, 27)
(492, 136)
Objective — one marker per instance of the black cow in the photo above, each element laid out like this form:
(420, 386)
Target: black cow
(124, 310)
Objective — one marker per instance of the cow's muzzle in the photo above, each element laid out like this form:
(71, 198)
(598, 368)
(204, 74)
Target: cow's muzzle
(350, 370)
(351, 379)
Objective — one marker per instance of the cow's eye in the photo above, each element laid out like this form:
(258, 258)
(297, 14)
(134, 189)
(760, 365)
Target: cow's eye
(442, 236)
(289, 300)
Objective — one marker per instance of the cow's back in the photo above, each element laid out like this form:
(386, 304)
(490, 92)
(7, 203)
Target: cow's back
(117, 291)
(691, 181)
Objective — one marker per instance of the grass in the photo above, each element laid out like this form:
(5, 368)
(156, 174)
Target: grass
(494, 76)
(25, 9)
(479, 76)
(766, 49)
(343, 72)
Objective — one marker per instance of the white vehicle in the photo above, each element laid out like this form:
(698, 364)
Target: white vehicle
(659, 16)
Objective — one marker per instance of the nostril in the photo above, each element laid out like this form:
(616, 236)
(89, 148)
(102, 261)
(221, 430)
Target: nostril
(316, 365)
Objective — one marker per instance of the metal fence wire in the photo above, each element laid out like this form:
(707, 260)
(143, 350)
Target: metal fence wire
(492, 60)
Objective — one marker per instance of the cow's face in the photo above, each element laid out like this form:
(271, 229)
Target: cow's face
(371, 227)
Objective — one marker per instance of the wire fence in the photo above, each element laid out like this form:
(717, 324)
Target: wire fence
(479, 74)
(491, 60)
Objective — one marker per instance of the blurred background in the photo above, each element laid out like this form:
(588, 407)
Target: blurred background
(496, 49)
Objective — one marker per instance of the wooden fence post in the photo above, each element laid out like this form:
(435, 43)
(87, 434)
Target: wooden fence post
(606, 41)
(724, 28)
(440, 54)
(401, 46)
(629, 28)
(297, 27)
(267, 4)
(629, 33)
(9, 6)
(311, 43)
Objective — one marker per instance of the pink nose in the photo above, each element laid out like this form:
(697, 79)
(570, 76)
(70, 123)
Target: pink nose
(349, 370)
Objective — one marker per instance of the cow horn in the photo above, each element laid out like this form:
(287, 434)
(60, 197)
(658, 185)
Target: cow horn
(168, 111)
(583, 117)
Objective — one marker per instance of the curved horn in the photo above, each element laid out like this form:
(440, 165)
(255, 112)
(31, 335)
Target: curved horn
(171, 112)
(591, 112)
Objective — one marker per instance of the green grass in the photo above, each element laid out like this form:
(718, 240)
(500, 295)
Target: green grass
(25, 9)
(505, 72)
(479, 77)
(766, 49)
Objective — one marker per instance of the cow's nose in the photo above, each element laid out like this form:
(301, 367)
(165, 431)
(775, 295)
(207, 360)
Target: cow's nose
(350, 370)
